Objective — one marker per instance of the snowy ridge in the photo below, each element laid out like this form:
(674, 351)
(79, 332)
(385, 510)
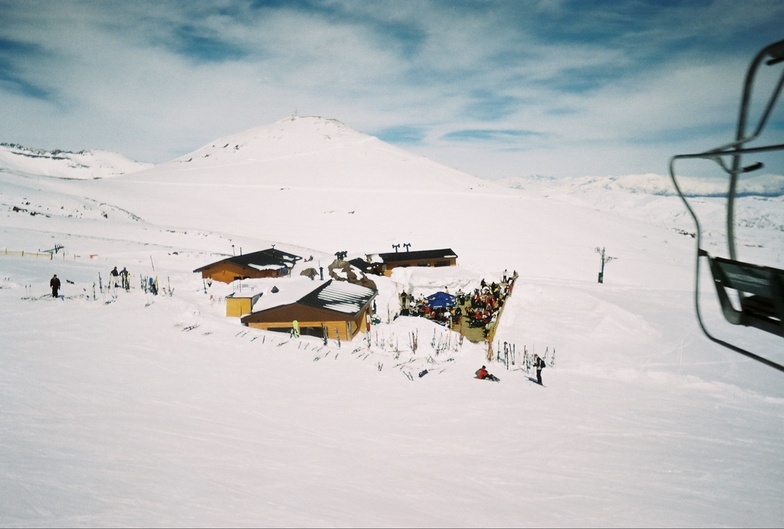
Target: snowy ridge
(85, 164)
(652, 198)
(767, 185)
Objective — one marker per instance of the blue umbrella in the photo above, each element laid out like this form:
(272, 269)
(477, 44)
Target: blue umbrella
(440, 300)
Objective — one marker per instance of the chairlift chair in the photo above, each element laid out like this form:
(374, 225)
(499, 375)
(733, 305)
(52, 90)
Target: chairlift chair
(758, 290)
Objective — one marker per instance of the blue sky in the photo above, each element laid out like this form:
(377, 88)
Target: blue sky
(493, 88)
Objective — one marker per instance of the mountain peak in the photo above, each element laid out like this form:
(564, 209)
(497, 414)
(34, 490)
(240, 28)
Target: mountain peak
(290, 136)
(310, 152)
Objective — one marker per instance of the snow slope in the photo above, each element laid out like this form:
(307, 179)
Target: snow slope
(128, 409)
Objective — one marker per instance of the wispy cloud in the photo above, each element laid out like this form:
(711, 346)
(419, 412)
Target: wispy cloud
(201, 46)
(14, 55)
(548, 87)
(493, 135)
(400, 135)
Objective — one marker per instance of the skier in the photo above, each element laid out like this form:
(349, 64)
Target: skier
(295, 329)
(55, 284)
(482, 374)
(539, 365)
(115, 274)
(124, 277)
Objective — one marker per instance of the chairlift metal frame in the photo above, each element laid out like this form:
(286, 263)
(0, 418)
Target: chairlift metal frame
(759, 289)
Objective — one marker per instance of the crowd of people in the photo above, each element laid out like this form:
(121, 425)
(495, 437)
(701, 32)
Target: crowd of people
(420, 306)
(476, 309)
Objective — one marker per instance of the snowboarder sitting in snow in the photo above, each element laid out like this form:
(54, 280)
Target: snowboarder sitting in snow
(482, 374)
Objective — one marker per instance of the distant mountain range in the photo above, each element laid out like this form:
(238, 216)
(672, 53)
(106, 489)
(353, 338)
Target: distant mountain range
(764, 185)
(82, 165)
(285, 153)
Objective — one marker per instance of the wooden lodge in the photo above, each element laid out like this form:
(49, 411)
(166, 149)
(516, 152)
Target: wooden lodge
(264, 263)
(384, 263)
(335, 309)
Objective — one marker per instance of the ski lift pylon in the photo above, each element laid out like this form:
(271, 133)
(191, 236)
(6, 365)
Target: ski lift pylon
(758, 290)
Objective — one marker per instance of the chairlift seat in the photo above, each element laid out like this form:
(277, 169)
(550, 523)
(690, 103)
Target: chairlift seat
(760, 290)
(758, 299)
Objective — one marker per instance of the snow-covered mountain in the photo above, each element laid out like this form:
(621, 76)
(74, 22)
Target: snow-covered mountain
(125, 408)
(311, 152)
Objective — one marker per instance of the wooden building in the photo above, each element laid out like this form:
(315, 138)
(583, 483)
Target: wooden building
(384, 263)
(264, 263)
(335, 309)
(239, 304)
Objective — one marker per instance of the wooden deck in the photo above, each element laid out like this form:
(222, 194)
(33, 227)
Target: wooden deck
(475, 334)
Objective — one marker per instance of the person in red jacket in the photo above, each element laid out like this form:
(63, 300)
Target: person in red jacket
(482, 374)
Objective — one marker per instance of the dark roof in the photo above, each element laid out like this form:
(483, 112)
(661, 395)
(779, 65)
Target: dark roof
(268, 257)
(391, 257)
(340, 296)
(360, 263)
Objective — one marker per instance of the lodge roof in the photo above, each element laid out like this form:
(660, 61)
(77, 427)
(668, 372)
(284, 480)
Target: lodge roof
(393, 257)
(360, 263)
(261, 259)
(339, 296)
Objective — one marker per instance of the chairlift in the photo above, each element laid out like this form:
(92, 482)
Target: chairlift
(749, 294)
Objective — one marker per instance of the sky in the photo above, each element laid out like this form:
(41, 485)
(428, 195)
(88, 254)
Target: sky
(128, 409)
(494, 89)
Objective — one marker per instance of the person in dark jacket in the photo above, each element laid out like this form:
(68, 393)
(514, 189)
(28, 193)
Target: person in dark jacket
(55, 284)
(124, 275)
(538, 365)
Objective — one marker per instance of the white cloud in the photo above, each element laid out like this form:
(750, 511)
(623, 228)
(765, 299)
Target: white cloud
(154, 80)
